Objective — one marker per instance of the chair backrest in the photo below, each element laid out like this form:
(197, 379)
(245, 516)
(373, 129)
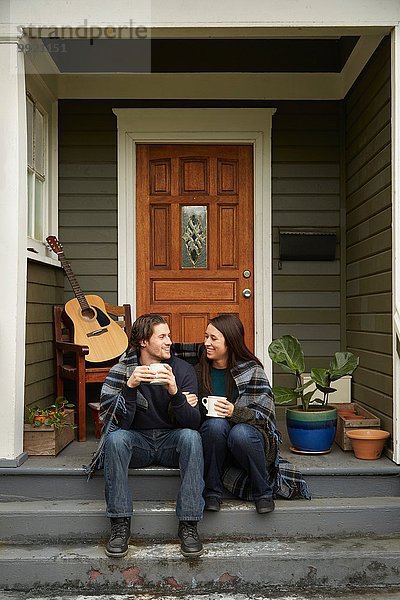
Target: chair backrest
(191, 353)
(123, 316)
(63, 331)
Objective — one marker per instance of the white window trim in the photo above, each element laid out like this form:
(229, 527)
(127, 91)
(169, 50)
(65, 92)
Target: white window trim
(225, 125)
(47, 103)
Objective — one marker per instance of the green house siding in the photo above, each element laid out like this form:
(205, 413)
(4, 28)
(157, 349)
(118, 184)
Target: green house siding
(88, 196)
(306, 196)
(45, 288)
(369, 234)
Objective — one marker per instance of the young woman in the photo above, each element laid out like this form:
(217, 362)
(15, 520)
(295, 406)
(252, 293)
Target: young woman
(246, 435)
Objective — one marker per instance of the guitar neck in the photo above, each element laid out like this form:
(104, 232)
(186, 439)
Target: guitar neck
(76, 288)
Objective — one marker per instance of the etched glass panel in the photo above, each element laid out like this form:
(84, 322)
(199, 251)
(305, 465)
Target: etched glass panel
(194, 237)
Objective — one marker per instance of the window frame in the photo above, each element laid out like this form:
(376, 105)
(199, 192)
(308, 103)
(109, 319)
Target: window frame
(36, 175)
(44, 101)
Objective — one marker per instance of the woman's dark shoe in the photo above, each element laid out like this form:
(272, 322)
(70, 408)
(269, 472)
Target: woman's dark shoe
(264, 505)
(117, 545)
(212, 503)
(190, 540)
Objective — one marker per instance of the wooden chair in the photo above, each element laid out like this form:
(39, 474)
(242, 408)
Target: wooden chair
(70, 358)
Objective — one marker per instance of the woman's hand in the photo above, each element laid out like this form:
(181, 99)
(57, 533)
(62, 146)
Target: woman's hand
(224, 408)
(191, 398)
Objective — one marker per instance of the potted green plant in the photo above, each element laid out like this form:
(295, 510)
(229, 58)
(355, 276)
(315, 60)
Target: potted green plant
(312, 425)
(54, 415)
(48, 430)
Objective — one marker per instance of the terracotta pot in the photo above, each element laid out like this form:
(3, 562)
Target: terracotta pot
(367, 443)
(348, 413)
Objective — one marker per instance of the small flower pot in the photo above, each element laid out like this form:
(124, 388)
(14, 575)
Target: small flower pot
(368, 443)
(47, 440)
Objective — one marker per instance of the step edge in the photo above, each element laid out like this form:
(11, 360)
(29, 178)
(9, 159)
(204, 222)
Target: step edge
(353, 545)
(172, 472)
(57, 507)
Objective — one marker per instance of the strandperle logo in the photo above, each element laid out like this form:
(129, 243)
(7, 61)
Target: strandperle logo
(85, 31)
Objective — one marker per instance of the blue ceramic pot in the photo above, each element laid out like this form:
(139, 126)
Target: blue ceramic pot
(311, 431)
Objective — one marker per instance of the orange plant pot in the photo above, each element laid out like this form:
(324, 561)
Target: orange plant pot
(39, 419)
(368, 443)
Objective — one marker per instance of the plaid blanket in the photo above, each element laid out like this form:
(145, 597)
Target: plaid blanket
(289, 483)
(254, 406)
(255, 394)
(112, 404)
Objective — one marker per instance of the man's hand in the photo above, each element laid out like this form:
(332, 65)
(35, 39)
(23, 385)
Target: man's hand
(168, 378)
(143, 374)
(140, 375)
(191, 398)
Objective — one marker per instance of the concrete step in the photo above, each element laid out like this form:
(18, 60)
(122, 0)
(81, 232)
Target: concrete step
(85, 519)
(39, 479)
(238, 566)
(368, 593)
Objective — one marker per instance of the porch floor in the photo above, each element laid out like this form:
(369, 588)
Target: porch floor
(337, 462)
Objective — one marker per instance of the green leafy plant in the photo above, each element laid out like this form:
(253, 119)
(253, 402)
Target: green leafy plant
(286, 351)
(50, 416)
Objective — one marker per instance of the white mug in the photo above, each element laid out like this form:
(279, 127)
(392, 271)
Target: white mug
(157, 368)
(209, 403)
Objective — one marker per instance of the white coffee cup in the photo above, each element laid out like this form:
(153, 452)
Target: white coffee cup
(209, 403)
(157, 368)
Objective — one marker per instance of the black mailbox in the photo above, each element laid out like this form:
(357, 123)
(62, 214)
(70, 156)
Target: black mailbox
(307, 245)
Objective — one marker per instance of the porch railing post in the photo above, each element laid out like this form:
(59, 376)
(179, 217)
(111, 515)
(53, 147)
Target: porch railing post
(13, 202)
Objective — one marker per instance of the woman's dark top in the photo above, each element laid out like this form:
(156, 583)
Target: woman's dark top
(219, 384)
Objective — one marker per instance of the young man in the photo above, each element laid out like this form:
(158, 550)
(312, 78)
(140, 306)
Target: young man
(152, 424)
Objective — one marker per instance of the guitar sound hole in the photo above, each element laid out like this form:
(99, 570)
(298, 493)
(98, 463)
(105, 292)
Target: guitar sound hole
(88, 314)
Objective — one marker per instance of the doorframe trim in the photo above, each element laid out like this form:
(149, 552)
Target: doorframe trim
(200, 126)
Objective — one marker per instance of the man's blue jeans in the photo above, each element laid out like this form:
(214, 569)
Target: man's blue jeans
(167, 447)
(239, 444)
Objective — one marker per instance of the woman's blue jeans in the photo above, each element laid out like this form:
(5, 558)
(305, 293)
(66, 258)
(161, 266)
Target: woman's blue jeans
(167, 447)
(239, 444)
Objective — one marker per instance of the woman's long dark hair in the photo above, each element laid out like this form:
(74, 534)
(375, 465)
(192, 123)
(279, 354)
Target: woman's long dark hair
(232, 329)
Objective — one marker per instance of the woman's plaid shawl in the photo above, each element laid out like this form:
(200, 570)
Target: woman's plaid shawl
(255, 406)
(255, 393)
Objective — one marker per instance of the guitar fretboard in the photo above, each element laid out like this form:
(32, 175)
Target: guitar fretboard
(76, 288)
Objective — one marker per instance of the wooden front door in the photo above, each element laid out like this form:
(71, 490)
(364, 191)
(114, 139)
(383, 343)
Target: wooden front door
(194, 230)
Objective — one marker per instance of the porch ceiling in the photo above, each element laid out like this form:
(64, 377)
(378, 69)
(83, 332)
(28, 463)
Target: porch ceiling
(294, 55)
(315, 64)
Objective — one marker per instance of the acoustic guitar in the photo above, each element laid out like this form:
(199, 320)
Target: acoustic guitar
(93, 327)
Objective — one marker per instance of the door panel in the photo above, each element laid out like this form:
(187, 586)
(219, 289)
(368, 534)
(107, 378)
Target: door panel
(195, 234)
